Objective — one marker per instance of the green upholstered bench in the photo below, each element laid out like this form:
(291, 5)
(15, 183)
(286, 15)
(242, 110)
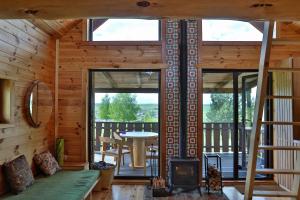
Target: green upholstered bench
(64, 185)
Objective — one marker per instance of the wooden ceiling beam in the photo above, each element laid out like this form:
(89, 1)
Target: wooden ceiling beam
(259, 25)
(139, 79)
(230, 9)
(111, 81)
(97, 23)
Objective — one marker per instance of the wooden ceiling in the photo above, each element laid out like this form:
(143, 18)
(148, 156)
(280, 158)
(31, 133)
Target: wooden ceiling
(223, 82)
(126, 79)
(55, 28)
(233, 9)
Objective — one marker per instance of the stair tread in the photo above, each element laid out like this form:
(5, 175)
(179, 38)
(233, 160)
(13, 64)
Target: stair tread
(281, 97)
(270, 147)
(280, 123)
(277, 171)
(284, 69)
(273, 193)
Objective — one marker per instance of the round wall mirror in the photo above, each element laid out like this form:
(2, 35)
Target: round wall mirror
(39, 104)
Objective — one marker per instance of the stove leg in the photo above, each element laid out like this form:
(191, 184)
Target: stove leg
(171, 189)
(199, 190)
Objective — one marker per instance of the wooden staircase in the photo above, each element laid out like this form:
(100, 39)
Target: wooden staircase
(261, 97)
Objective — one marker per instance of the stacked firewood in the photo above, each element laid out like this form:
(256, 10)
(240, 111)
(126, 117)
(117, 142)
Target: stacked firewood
(159, 187)
(214, 177)
(158, 182)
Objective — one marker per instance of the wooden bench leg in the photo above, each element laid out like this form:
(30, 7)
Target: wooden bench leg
(90, 196)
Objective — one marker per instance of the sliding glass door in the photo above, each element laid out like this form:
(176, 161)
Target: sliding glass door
(218, 121)
(228, 108)
(124, 120)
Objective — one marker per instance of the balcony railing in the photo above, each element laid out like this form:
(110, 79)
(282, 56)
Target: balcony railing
(106, 129)
(218, 137)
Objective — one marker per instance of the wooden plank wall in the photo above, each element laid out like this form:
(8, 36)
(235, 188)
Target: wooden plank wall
(76, 57)
(283, 135)
(26, 54)
(241, 55)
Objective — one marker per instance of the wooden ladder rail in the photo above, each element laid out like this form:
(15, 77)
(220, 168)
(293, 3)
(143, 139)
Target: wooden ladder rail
(259, 105)
(296, 181)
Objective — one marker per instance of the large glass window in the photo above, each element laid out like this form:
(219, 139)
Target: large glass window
(125, 30)
(229, 30)
(124, 120)
(228, 109)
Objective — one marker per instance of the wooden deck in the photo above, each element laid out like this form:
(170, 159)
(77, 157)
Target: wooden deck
(218, 138)
(126, 170)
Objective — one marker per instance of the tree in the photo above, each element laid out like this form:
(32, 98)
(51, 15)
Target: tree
(124, 107)
(221, 108)
(104, 108)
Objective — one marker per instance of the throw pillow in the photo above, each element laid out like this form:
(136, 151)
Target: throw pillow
(18, 174)
(46, 162)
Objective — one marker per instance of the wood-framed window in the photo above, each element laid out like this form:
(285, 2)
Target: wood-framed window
(125, 30)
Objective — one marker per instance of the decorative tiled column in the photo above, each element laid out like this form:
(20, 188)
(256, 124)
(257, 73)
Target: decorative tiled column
(172, 88)
(192, 37)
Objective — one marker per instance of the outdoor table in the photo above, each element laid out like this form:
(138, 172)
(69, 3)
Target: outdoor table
(139, 147)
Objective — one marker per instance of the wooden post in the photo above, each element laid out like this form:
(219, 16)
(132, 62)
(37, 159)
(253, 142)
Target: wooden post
(259, 105)
(56, 89)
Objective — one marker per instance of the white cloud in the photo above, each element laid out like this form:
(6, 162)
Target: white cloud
(127, 30)
(229, 30)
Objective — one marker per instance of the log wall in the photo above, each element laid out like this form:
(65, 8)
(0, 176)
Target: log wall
(26, 54)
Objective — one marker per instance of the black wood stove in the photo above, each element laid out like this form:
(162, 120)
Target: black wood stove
(184, 173)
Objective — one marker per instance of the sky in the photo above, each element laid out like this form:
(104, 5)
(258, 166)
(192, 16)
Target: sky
(141, 98)
(229, 30)
(130, 29)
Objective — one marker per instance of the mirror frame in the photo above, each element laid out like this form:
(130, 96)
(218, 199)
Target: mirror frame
(27, 104)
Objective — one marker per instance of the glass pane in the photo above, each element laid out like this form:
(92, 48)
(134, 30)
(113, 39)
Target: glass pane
(126, 30)
(218, 119)
(229, 30)
(247, 96)
(126, 110)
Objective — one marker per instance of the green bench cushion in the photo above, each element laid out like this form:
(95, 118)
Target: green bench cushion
(64, 185)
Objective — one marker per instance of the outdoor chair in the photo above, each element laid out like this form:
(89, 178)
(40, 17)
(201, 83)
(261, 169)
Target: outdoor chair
(115, 150)
(126, 145)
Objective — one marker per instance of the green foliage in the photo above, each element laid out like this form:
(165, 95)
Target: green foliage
(124, 107)
(103, 109)
(221, 108)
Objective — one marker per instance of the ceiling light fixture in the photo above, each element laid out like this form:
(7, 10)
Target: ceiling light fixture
(261, 5)
(31, 12)
(143, 4)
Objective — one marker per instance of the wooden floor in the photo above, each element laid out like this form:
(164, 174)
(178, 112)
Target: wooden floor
(137, 192)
